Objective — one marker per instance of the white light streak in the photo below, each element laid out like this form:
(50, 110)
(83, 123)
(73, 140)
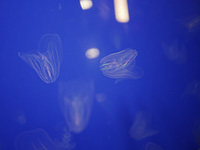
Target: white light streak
(121, 11)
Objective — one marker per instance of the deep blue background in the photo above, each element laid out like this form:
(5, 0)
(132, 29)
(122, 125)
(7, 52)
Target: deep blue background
(161, 91)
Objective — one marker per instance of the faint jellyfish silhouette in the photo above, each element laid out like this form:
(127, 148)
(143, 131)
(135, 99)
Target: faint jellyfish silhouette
(141, 128)
(76, 101)
(121, 65)
(63, 141)
(37, 139)
(190, 26)
(192, 23)
(104, 10)
(193, 88)
(152, 146)
(20, 117)
(46, 61)
(101, 97)
(175, 52)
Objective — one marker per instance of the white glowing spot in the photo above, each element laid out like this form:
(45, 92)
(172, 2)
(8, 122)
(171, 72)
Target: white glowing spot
(86, 4)
(121, 11)
(92, 53)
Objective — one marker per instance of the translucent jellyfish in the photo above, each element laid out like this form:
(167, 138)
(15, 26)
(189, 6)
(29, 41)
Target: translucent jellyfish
(46, 61)
(141, 127)
(121, 65)
(193, 88)
(76, 101)
(63, 140)
(192, 23)
(152, 146)
(175, 52)
(35, 140)
(39, 139)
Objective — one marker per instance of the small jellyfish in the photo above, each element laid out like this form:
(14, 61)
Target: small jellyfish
(176, 52)
(152, 146)
(141, 127)
(37, 139)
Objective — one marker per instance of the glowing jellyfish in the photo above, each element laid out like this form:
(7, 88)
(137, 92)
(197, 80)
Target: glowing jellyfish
(121, 65)
(46, 61)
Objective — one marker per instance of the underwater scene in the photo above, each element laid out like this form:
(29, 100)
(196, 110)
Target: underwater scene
(100, 75)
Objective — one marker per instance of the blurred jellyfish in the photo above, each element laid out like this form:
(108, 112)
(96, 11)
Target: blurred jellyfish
(175, 52)
(192, 23)
(20, 117)
(152, 146)
(65, 144)
(190, 26)
(76, 101)
(37, 139)
(46, 61)
(193, 88)
(63, 141)
(141, 128)
(104, 10)
(101, 97)
(59, 6)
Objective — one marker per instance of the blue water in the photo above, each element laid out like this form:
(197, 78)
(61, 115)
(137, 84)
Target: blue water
(161, 108)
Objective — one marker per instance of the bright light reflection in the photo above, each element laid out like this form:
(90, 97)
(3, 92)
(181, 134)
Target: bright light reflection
(121, 11)
(86, 4)
(92, 53)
